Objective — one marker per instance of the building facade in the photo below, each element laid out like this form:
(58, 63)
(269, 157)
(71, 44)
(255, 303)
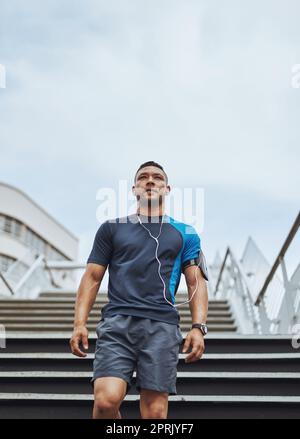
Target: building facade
(26, 229)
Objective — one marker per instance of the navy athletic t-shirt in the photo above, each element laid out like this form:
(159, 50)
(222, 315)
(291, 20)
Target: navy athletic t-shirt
(135, 287)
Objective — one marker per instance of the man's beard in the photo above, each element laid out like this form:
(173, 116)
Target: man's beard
(150, 202)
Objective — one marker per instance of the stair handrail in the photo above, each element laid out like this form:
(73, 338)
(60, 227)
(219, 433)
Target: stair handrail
(37, 263)
(241, 302)
(279, 259)
(18, 261)
(230, 253)
(10, 289)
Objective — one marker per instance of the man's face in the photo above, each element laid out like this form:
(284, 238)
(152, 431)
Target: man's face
(151, 185)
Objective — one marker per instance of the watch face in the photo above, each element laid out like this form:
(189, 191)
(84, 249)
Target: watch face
(204, 329)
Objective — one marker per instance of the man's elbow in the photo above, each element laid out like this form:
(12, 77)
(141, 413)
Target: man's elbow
(95, 272)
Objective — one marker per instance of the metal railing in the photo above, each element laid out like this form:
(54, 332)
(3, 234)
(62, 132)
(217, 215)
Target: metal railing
(279, 261)
(5, 288)
(288, 315)
(261, 302)
(30, 275)
(232, 285)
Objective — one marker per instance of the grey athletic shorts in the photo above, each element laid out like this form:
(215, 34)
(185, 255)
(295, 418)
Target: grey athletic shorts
(126, 343)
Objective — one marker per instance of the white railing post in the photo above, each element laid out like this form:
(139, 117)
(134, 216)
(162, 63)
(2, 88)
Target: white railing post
(27, 275)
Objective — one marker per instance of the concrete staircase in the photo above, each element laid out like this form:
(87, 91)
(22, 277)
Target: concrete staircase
(238, 376)
(55, 312)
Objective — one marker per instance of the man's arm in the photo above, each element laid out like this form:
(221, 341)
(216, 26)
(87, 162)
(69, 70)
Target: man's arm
(199, 309)
(86, 296)
(199, 304)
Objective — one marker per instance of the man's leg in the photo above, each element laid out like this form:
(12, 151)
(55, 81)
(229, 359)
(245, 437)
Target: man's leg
(109, 393)
(153, 404)
(157, 362)
(113, 366)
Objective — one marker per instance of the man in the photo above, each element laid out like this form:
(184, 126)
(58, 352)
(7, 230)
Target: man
(139, 330)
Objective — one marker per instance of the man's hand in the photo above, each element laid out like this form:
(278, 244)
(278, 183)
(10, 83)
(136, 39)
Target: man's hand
(196, 340)
(80, 335)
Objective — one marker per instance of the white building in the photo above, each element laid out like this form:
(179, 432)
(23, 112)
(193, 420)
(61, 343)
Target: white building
(28, 231)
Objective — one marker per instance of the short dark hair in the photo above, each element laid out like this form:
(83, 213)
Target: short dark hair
(151, 163)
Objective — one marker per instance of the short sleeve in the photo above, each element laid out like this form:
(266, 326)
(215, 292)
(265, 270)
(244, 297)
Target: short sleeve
(102, 248)
(193, 255)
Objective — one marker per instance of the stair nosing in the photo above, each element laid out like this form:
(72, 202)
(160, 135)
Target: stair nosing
(179, 398)
(65, 335)
(191, 375)
(221, 356)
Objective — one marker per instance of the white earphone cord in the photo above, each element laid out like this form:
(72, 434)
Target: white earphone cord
(159, 264)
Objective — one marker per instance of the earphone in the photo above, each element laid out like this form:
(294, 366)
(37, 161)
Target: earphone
(159, 264)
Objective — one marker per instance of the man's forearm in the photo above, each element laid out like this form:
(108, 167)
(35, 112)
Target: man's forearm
(85, 299)
(199, 304)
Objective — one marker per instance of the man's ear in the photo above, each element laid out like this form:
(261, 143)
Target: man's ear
(168, 190)
(133, 190)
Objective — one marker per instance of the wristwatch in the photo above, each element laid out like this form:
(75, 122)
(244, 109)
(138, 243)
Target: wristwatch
(202, 327)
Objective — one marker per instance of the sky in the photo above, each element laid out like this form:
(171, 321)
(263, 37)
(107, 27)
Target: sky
(95, 88)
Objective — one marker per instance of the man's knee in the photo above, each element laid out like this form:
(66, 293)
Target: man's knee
(107, 404)
(153, 404)
(155, 410)
(155, 413)
(109, 394)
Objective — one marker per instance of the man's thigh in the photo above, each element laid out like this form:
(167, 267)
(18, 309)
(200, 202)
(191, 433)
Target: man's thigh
(158, 358)
(115, 356)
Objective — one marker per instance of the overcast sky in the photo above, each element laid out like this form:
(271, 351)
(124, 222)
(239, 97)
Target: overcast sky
(95, 88)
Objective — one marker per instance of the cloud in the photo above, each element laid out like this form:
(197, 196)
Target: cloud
(96, 87)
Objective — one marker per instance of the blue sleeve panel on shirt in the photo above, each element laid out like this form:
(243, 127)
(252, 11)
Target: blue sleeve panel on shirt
(102, 248)
(191, 246)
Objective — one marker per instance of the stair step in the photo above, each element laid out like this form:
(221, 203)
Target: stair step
(103, 294)
(71, 302)
(100, 297)
(214, 343)
(62, 327)
(69, 307)
(66, 362)
(54, 406)
(94, 313)
(192, 383)
(92, 320)
(96, 310)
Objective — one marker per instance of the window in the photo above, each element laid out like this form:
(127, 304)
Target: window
(2, 223)
(15, 228)
(54, 255)
(10, 225)
(7, 225)
(29, 237)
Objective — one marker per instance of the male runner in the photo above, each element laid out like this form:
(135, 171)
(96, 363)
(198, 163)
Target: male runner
(139, 327)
